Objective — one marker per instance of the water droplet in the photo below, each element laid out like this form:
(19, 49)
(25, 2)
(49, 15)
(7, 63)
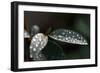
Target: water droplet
(34, 49)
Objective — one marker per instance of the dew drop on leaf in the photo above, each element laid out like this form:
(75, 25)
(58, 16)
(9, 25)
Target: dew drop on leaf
(38, 42)
(68, 36)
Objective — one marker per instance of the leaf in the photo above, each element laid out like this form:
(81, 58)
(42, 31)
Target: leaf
(38, 42)
(26, 34)
(53, 51)
(68, 36)
(34, 30)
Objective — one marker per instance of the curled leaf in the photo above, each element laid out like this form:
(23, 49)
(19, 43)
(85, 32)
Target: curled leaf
(38, 42)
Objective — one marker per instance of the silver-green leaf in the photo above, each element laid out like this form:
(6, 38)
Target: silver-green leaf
(38, 42)
(68, 36)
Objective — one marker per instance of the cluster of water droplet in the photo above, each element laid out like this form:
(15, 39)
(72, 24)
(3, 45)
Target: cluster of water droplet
(38, 42)
(68, 36)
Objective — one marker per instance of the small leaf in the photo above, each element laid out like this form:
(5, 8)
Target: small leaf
(34, 30)
(26, 34)
(68, 36)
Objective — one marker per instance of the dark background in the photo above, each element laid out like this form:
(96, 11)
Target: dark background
(77, 22)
